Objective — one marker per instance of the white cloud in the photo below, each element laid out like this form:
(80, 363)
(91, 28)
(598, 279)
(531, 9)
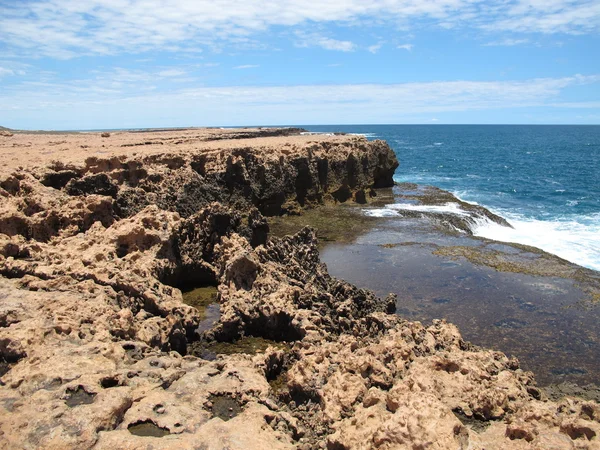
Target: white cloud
(116, 80)
(508, 42)
(578, 105)
(247, 66)
(64, 28)
(408, 47)
(548, 16)
(5, 72)
(317, 40)
(13, 68)
(350, 103)
(375, 48)
(334, 44)
(168, 73)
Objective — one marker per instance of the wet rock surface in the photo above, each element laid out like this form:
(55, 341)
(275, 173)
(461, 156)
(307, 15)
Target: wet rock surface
(98, 341)
(224, 407)
(433, 196)
(510, 297)
(149, 429)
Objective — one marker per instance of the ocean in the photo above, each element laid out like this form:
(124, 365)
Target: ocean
(544, 179)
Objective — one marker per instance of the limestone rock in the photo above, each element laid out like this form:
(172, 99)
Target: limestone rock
(95, 337)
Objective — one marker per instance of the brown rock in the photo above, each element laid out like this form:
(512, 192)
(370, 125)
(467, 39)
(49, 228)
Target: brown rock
(94, 336)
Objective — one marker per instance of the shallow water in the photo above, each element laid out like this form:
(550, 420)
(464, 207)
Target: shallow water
(224, 406)
(545, 180)
(205, 300)
(148, 429)
(79, 397)
(248, 345)
(540, 320)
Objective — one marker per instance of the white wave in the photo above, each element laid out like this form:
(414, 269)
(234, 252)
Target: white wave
(460, 194)
(447, 208)
(422, 179)
(575, 239)
(333, 133)
(464, 196)
(367, 135)
(316, 133)
(551, 181)
(381, 212)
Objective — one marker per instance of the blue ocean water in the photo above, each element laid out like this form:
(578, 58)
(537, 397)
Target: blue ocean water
(544, 179)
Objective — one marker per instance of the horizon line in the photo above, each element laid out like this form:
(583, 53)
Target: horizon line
(151, 128)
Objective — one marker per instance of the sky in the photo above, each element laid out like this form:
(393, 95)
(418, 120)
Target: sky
(105, 64)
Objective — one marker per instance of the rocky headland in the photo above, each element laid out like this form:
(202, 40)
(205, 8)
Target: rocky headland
(101, 233)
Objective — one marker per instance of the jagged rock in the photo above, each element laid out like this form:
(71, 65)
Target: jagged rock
(95, 337)
(282, 292)
(92, 184)
(403, 388)
(277, 176)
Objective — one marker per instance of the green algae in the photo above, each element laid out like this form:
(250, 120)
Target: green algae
(407, 244)
(334, 223)
(342, 223)
(201, 298)
(557, 392)
(279, 383)
(529, 261)
(248, 345)
(546, 321)
(493, 258)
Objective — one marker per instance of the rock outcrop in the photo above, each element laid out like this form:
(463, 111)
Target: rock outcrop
(43, 202)
(97, 348)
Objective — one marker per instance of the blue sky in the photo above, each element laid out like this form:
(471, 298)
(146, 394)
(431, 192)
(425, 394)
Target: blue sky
(98, 64)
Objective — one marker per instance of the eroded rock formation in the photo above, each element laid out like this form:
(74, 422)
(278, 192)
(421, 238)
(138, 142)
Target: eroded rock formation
(97, 348)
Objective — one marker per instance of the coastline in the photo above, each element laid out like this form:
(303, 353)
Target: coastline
(543, 180)
(95, 333)
(510, 297)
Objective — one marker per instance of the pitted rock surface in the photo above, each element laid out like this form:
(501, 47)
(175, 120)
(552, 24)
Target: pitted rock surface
(97, 347)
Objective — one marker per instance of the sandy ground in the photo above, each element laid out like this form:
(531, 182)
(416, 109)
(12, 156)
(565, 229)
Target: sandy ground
(38, 149)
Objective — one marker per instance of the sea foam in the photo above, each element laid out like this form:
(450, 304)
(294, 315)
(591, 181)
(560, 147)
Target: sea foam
(575, 239)
(447, 208)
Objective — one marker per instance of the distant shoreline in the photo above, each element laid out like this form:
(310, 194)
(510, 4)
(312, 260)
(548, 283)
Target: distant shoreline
(216, 127)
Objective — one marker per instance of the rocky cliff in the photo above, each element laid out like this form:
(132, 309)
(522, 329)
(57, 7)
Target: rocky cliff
(277, 176)
(98, 349)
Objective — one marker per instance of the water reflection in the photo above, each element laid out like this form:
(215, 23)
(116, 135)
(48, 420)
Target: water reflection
(538, 319)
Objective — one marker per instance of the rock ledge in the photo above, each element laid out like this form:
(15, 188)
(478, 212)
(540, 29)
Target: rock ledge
(98, 349)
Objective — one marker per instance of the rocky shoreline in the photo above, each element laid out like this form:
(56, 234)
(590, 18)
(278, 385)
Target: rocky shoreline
(99, 235)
